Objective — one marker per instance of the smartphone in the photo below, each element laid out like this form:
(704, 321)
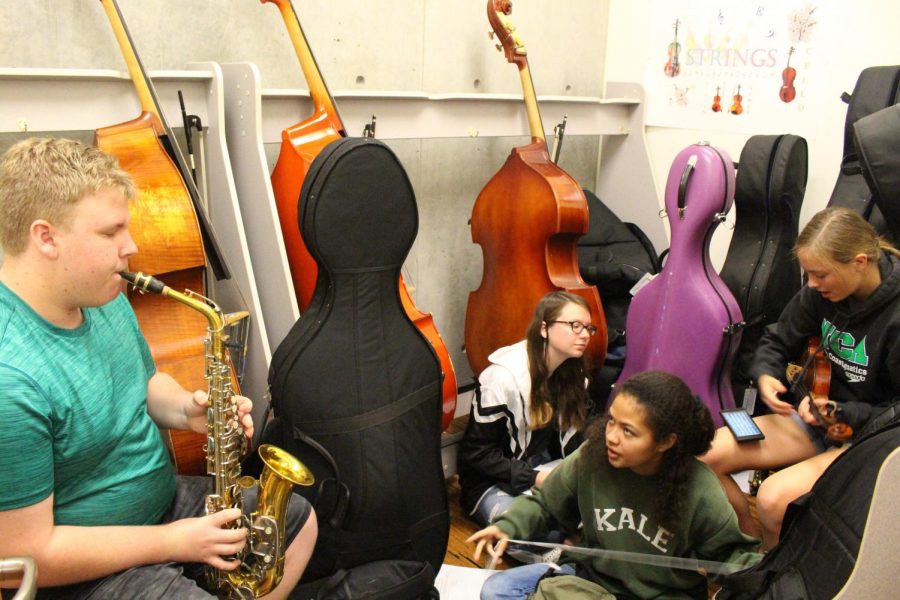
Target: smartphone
(742, 425)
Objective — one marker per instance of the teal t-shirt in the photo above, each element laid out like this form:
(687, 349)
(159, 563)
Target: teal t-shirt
(73, 403)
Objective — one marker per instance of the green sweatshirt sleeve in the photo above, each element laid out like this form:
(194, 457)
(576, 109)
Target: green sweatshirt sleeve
(552, 506)
(717, 533)
(730, 545)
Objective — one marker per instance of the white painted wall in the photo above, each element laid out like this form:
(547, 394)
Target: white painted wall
(855, 35)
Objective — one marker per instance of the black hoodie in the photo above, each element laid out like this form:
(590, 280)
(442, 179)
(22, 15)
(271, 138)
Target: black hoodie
(862, 343)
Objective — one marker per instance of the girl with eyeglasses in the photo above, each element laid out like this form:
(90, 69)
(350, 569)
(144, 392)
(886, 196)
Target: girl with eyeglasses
(529, 408)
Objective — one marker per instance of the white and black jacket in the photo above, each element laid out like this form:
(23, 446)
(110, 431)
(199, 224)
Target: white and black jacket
(498, 441)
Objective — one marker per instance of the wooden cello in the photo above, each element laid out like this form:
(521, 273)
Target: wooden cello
(527, 219)
(165, 227)
(300, 144)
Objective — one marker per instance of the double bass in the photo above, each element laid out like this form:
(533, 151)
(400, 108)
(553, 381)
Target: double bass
(166, 228)
(300, 144)
(527, 220)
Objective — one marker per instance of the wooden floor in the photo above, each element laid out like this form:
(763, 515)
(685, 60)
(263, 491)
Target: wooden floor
(459, 553)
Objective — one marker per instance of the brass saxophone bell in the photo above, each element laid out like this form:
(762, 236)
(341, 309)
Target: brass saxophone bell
(286, 465)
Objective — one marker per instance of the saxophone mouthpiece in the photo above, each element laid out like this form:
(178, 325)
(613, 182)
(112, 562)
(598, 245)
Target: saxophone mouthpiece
(143, 283)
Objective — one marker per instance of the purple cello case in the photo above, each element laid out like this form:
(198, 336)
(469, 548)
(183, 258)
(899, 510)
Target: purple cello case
(686, 321)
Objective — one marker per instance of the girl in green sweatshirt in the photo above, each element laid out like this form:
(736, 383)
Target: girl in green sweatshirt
(634, 486)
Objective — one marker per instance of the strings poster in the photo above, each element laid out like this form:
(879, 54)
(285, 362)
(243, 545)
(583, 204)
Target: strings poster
(740, 65)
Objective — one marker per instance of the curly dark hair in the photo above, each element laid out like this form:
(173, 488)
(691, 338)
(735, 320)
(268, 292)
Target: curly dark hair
(563, 393)
(669, 408)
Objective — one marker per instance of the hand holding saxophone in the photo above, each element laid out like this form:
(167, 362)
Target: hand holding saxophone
(196, 412)
(207, 539)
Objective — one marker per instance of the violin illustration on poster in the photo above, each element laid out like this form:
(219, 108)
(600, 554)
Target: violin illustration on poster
(800, 24)
(673, 67)
(736, 106)
(787, 93)
(731, 58)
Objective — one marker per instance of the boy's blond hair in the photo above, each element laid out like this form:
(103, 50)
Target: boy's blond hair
(43, 178)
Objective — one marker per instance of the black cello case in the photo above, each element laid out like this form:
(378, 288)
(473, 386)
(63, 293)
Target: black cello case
(760, 268)
(875, 89)
(877, 139)
(356, 388)
(822, 530)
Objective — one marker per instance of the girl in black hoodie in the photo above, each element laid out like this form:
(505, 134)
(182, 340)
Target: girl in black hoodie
(852, 304)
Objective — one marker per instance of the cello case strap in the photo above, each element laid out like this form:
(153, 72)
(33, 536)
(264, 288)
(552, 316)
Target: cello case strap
(371, 418)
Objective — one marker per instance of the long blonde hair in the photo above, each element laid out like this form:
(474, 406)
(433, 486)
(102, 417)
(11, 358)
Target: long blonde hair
(562, 393)
(838, 235)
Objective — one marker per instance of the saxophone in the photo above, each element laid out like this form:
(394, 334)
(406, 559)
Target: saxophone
(262, 558)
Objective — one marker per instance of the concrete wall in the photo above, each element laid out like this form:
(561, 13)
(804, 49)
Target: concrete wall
(363, 46)
(425, 45)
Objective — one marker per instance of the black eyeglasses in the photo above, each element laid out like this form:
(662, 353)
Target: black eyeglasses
(578, 326)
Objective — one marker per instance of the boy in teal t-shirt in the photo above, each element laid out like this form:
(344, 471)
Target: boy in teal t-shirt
(86, 486)
(62, 386)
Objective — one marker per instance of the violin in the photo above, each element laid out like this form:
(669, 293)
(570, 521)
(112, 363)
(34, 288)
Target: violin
(812, 378)
(672, 67)
(527, 220)
(736, 107)
(717, 102)
(787, 92)
(300, 144)
(165, 227)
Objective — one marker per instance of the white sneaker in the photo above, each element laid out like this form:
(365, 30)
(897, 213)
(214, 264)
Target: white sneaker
(551, 557)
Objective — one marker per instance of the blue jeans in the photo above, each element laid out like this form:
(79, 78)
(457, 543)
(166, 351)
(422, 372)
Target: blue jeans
(172, 580)
(519, 582)
(493, 503)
